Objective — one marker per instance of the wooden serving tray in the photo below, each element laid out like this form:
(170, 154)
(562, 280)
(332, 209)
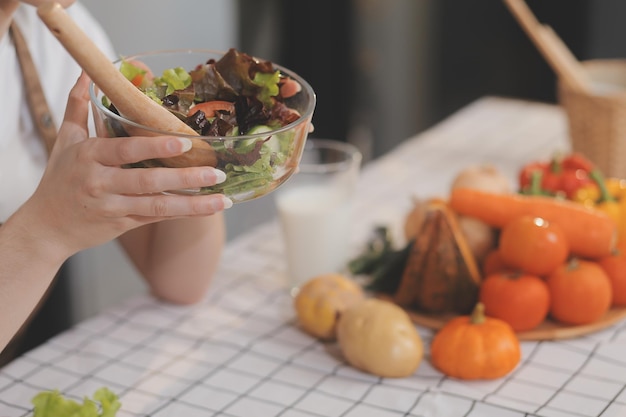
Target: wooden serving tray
(548, 330)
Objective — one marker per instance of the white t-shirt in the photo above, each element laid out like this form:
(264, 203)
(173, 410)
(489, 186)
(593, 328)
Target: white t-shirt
(22, 153)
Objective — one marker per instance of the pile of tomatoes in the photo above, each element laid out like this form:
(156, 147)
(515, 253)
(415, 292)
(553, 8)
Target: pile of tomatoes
(531, 275)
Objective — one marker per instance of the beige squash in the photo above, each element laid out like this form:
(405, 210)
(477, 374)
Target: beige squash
(321, 300)
(378, 337)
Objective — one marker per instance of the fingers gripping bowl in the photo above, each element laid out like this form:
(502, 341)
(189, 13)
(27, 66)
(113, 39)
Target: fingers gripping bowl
(247, 117)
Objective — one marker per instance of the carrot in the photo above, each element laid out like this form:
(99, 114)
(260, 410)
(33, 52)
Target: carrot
(210, 107)
(137, 80)
(591, 233)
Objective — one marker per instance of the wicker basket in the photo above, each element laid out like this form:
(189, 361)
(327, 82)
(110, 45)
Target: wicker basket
(597, 122)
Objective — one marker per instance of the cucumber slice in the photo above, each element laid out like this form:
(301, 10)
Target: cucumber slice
(259, 129)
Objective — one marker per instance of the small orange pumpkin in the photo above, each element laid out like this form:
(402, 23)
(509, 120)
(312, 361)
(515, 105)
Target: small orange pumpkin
(475, 347)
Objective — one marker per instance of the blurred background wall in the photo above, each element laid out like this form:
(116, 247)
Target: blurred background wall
(383, 70)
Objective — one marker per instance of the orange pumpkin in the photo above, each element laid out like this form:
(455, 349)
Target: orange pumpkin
(580, 292)
(475, 347)
(520, 299)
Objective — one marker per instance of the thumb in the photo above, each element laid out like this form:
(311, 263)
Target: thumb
(74, 126)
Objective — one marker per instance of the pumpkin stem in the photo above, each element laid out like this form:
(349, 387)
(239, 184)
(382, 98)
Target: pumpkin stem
(478, 314)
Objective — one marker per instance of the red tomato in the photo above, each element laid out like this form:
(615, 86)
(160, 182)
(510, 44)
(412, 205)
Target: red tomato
(492, 263)
(572, 180)
(526, 173)
(210, 107)
(551, 181)
(533, 245)
(615, 267)
(577, 160)
(580, 292)
(522, 300)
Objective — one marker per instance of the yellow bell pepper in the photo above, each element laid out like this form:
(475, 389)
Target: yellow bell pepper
(617, 188)
(612, 200)
(587, 195)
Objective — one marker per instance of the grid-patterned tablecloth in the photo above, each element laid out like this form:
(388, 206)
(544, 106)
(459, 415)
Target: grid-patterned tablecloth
(239, 354)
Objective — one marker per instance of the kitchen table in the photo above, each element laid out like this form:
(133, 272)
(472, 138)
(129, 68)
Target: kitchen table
(239, 354)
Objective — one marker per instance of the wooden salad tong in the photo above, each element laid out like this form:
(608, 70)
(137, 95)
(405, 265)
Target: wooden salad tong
(128, 99)
(550, 45)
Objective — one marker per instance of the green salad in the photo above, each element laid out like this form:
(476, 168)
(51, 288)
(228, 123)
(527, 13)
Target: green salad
(233, 96)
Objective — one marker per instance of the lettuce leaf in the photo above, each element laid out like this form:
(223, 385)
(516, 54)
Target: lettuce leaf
(109, 403)
(130, 71)
(53, 404)
(175, 79)
(269, 86)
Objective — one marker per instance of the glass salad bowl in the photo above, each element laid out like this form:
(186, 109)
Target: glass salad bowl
(252, 117)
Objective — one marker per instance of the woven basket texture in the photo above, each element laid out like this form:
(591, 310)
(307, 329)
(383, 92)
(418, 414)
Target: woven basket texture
(597, 122)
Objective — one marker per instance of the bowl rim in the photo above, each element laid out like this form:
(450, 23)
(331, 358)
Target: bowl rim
(304, 116)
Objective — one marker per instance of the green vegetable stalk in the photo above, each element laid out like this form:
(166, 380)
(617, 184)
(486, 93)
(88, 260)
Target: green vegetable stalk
(383, 263)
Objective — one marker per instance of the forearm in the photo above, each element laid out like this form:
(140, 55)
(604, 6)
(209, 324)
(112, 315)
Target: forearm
(178, 258)
(29, 263)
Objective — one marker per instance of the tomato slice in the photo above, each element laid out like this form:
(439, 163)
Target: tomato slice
(210, 107)
(137, 80)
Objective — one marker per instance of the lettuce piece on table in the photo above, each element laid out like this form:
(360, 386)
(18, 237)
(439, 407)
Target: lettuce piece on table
(52, 404)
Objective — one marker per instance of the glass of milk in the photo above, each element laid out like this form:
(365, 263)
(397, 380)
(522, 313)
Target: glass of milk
(315, 209)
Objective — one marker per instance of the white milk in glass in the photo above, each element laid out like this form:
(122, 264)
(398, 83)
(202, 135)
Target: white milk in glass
(316, 225)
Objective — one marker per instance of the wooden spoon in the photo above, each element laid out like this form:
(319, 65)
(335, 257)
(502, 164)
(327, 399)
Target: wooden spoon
(554, 51)
(128, 99)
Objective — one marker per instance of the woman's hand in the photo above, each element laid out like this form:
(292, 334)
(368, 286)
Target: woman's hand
(85, 198)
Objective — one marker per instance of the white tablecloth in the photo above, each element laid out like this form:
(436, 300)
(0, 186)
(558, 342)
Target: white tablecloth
(239, 354)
